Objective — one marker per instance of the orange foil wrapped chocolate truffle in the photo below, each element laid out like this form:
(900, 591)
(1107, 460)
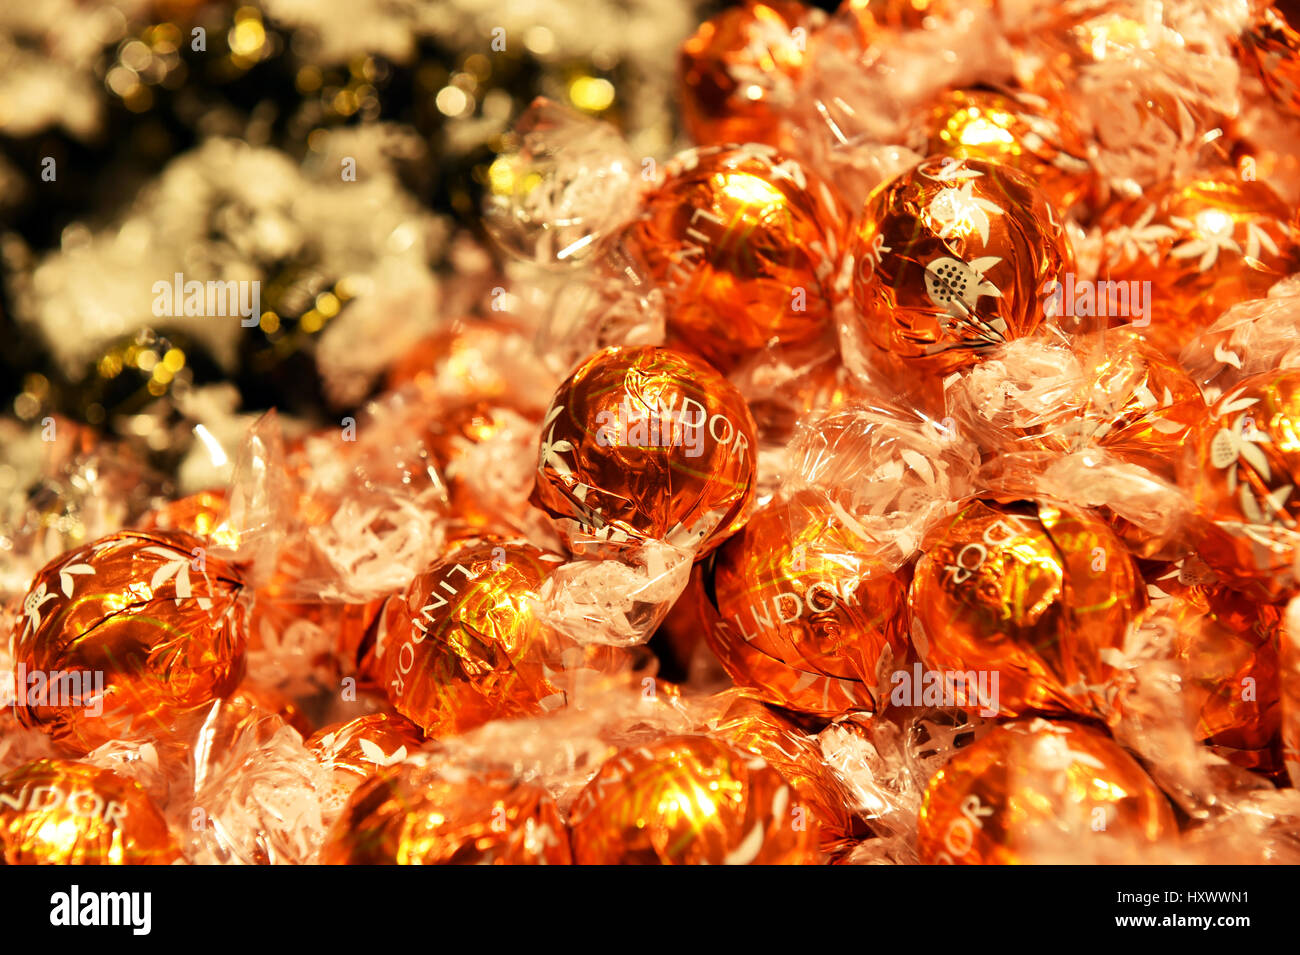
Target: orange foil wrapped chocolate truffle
(1115, 391)
(643, 442)
(797, 755)
(744, 243)
(737, 72)
(951, 259)
(1228, 644)
(1035, 597)
(412, 814)
(1289, 681)
(1203, 245)
(201, 514)
(1138, 403)
(129, 633)
(57, 812)
(272, 700)
(463, 646)
(690, 800)
(1035, 786)
(1024, 132)
(804, 612)
(357, 749)
(1271, 46)
(1243, 463)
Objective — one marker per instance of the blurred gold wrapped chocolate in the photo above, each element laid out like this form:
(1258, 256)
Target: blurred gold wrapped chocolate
(1034, 790)
(1270, 45)
(738, 70)
(57, 812)
(690, 800)
(412, 814)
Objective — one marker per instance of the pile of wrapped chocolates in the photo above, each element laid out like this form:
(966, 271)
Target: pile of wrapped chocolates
(904, 473)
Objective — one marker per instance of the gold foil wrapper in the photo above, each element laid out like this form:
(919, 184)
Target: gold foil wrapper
(201, 514)
(690, 800)
(1036, 786)
(872, 17)
(1289, 680)
(359, 748)
(804, 613)
(1272, 47)
(1228, 646)
(738, 70)
(410, 814)
(271, 700)
(952, 259)
(1033, 600)
(1244, 466)
(744, 242)
(463, 645)
(1024, 132)
(797, 755)
(120, 637)
(1135, 402)
(57, 812)
(1203, 245)
(643, 442)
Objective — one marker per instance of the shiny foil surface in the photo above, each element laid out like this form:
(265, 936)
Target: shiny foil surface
(744, 243)
(1023, 132)
(954, 258)
(1272, 47)
(1137, 403)
(57, 812)
(1032, 787)
(643, 442)
(1203, 244)
(804, 612)
(690, 800)
(463, 645)
(1244, 466)
(359, 748)
(409, 814)
(796, 754)
(1228, 647)
(146, 615)
(1038, 596)
(738, 71)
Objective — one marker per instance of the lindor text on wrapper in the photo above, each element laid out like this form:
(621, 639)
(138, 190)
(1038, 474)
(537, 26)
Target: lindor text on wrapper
(635, 425)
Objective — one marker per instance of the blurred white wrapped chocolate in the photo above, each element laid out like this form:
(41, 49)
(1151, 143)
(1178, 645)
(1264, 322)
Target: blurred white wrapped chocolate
(564, 184)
